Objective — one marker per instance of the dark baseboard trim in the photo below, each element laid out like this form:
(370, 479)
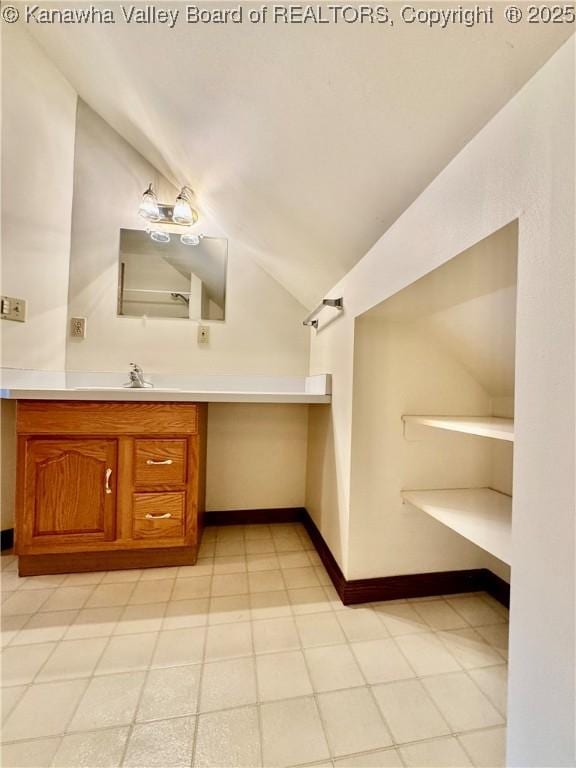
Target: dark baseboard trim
(497, 587)
(256, 516)
(410, 585)
(7, 539)
(324, 553)
(377, 589)
(391, 587)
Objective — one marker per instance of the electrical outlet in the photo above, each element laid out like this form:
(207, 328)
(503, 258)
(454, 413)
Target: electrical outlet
(78, 328)
(203, 334)
(13, 309)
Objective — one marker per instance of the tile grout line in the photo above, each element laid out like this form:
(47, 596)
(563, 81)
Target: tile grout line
(373, 695)
(438, 634)
(12, 643)
(302, 646)
(32, 682)
(496, 664)
(429, 628)
(144, 681)
(257, 689)
(89, 679)
(488, 698)
(463, 747)
(394, 745)
(316, 694)
(259, 702)
(202, 665)
(418, 677)
(384, 683)
(252, 620)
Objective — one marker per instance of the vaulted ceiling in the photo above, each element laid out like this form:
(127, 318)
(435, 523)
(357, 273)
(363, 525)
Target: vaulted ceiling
(305, 142)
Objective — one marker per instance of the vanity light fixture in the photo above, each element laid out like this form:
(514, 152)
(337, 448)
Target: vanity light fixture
(180, 213)
(183, 212)
(190, 239)
(149, 209)
(159, 236)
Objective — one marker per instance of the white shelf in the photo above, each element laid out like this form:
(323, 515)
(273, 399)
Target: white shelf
(485, 426)
(481, 515)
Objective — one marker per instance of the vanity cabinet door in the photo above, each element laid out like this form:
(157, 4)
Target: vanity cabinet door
(70, 492)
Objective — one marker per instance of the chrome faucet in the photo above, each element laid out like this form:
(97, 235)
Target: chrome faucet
(136, 377)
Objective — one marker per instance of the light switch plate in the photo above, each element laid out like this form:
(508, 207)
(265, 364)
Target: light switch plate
(13, 309)
(203, 334)
(78, 327)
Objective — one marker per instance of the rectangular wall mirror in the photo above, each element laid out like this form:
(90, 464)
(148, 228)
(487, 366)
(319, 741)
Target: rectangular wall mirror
(171, 279)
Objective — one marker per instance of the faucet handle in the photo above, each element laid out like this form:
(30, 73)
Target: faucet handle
(136, 377)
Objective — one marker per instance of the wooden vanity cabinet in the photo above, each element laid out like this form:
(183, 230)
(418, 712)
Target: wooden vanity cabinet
(102, 486)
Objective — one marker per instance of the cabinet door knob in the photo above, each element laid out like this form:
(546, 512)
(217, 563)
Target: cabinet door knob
(165, 516)
(164, 461)
(107, 480)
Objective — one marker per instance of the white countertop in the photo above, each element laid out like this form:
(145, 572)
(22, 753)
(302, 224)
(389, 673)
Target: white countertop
(18, 384)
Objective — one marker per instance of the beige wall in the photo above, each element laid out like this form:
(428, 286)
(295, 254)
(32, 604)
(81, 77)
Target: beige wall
(521, 165)
(263, 331)
(38, 119)
(401, 369)
(256, 455)
(322, 478)
(8, 463)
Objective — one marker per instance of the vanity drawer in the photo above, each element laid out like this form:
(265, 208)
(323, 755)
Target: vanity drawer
(66, 417)
(160, 461)
(159, 515)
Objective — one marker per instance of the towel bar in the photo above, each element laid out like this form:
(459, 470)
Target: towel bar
(311, 319)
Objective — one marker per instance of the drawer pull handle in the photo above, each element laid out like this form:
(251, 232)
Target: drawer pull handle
(107, 480)
(165, 516)
(165, 461)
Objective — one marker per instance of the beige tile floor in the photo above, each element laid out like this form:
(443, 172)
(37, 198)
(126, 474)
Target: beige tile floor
(246, 659)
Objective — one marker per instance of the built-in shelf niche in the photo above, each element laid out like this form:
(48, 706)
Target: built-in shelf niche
(483, 515)
(434, 413)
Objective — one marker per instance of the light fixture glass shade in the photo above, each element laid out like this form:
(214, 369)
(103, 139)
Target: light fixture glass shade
(190, 239)
(183, 212)
(149, 205)
(159, 237)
